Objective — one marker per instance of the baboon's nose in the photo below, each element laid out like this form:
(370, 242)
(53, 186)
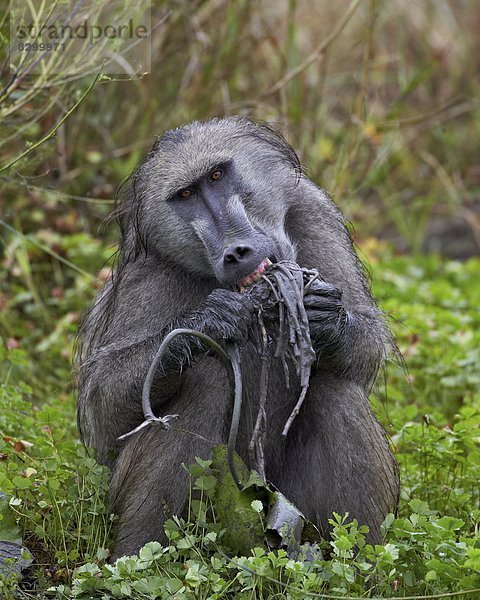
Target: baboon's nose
(237, 253)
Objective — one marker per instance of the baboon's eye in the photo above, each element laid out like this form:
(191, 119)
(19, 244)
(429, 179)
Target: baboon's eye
(216, 175)
(186, 193)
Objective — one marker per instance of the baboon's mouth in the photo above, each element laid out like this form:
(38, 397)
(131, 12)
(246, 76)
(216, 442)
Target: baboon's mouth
(256, 275)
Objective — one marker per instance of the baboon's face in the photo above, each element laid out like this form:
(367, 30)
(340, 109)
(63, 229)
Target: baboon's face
(217, 200)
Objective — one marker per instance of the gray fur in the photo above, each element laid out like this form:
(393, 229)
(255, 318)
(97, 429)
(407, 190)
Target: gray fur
(171, 271)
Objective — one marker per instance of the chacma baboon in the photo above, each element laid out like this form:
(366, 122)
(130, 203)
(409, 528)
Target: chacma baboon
(202, 212)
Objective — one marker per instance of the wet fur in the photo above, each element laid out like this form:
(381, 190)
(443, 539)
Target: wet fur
(336, 456)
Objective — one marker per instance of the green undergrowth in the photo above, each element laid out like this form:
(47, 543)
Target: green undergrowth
(430, 407)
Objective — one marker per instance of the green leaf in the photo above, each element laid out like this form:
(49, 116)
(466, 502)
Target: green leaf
(22, 483)
(151, 551)
(173, 585)
(450, 523)
(205, 483)
(387, 523)
(420, 507)
(9, 530)
(232, 507)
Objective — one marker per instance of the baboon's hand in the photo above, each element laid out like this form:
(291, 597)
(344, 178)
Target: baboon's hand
(325, 311)
(228, 315)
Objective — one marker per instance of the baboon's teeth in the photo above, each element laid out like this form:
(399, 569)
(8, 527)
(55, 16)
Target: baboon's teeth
(256, 275)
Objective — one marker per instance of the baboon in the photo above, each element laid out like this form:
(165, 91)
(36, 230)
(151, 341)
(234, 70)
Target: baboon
(199, 216)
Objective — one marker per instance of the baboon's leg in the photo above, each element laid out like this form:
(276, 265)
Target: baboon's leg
(149, 483)
(337, 458)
